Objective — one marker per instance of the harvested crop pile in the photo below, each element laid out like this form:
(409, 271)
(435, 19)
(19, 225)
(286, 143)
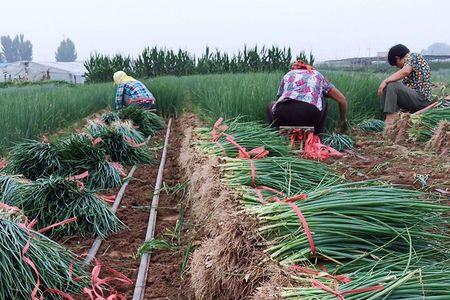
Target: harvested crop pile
(337, 141)
(250, 134)
(80, 153)
(109, 117)
(423, 125)
(397, 132)
(147, 122)
(440, 141)
(361, 240)
(122, 149)
(52, 261)
(33, 159)
(10, 186)
(373, 125)
(55, 199)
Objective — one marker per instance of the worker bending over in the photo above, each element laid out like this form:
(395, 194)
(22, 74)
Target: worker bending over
(409, 88)
(132, 92)
(302, 100)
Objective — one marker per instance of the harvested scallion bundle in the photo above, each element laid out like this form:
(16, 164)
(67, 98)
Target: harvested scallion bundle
(80, 153)
(349, 219)
(126, 129)
(110, 117)
(247, 134)
(121, 150)
(33, 159)
(55, 199)
(374, 125)
(147, 122)
(10, 185)
(52, 261)
(422, 126)
(337, 141)
(289, 175)
(94, 127)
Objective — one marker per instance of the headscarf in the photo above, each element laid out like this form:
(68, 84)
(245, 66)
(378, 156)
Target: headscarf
(301, 65)
(122, 77)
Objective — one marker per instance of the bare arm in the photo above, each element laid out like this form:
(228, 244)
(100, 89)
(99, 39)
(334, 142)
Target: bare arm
(342, 102)
(399, 75)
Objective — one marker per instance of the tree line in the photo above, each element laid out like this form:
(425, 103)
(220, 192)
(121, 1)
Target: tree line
(17, 48)
(157, 61)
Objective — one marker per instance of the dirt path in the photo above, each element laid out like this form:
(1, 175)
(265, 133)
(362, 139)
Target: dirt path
(119, 250)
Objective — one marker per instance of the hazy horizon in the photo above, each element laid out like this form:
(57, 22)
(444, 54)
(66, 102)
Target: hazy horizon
(329, 29)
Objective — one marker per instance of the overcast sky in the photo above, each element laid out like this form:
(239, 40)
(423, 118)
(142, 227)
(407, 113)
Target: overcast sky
(329, 28)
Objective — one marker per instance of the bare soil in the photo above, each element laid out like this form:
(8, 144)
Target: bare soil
(407, 163)
(118, 250)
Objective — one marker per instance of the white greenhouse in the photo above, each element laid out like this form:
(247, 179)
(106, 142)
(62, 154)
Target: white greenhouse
(73, 72)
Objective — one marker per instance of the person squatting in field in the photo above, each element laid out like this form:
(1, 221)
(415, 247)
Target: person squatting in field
(302, 100)
(408, 89)
(131, 92)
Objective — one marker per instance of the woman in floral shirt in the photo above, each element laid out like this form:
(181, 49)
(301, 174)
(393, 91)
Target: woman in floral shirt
(409, 88)
(302, 99)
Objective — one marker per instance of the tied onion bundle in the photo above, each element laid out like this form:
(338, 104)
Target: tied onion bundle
(121, 150)
(147, 122)
(126, 129)
(337, 141)
(289, 175)
(55, 199)
(110, 117)
(94, 127)
(422, 126)
(33, 159)
(10, 186)
(247, 134)
(350, 219)
(373, 125)
(80, 153)
(52, 260)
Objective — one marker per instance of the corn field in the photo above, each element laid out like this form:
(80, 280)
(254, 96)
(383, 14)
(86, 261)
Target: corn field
(156, 61)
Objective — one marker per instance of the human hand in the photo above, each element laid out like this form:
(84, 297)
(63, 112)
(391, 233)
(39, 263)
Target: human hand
(381, 88)
(342, 126)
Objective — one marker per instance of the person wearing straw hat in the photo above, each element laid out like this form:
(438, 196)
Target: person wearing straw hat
(302, 100)
(131, 92)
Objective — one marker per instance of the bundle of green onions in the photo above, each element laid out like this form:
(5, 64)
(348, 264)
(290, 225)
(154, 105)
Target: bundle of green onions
(422, 126)
(10, 185)
(126, 129)
(349, 219)
(52, 261)
(374, 125)
(337, 141)
(413, 275)
(122, 150)
(56, 199)
(109, 117)
(289, 175)
(80, 153)
(94, 127)
(249, 135)
(147, 122)
(33, 159)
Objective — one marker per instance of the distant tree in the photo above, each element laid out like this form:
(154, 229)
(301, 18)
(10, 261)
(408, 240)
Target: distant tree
(66, 51)
(437, 49)
(16, 49)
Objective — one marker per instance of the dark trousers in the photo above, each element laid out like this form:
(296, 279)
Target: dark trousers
(399, 96)
(298, 113)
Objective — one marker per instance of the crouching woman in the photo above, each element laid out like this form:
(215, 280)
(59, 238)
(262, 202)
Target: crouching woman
(302, 100)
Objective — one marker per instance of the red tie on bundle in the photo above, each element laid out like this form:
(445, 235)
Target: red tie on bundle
(316, 150)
